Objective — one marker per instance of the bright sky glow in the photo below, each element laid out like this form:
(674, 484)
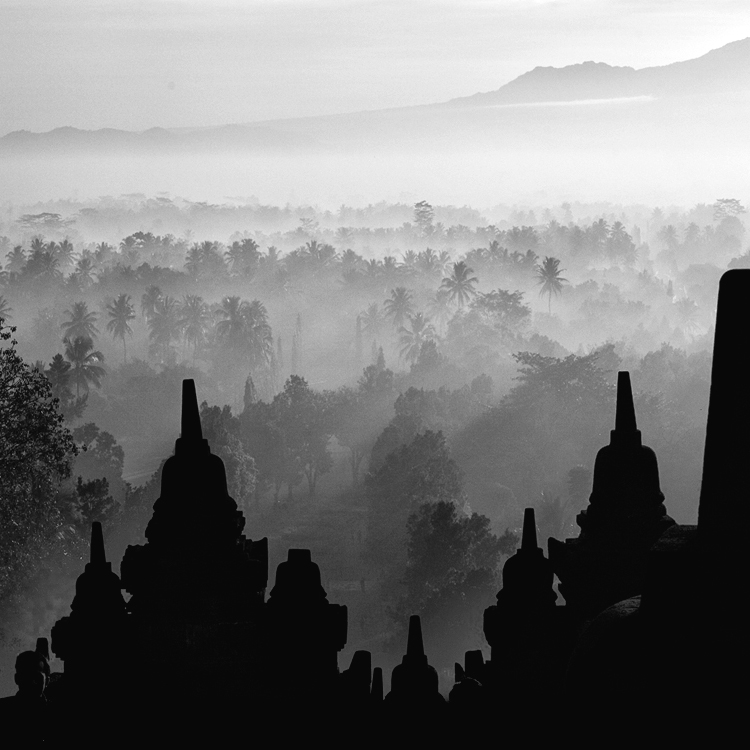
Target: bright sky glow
(136, 64)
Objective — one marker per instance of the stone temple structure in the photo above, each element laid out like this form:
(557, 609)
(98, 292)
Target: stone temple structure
(196, 641)
(625, 517)
(197, 614)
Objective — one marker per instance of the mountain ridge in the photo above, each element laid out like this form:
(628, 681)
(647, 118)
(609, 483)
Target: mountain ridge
(726, 68)
(719, 71)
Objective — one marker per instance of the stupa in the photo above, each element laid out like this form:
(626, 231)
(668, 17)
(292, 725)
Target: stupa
(197, 586)
(626, 515)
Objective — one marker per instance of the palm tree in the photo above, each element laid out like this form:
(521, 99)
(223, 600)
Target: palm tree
(82, 323)
(103, 252)
(64, 253)
(129, 250)
(37, 245)
(399, 306)
(372, 320)
(411, 340)
(83, 275)
(390, 270)
(193, 261)
(439, 307)
(548, 275)
(5, 309)
(231, 329)
(164, 327)
(349, 261)
(84, 362)
(409, 260)
(211, 259)
(428, 263)
(149, 301)
(16, 259)
(121, 312)
(245, 329)
(195, 320)
(243, 257)
(259, 335)
(41, 265)
(58, 374)
(459, 285)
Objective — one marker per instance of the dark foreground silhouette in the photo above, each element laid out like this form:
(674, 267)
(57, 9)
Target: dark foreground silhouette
(199, 652)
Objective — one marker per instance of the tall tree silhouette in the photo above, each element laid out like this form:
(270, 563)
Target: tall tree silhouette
(548, 275)
(16, 259)
(149, 301)
(121, 312)
(399, 305)
(83, 275)
(5, 309)
(372, 320)
(460, 284)
(64, 253)
(244, 329)
(439, 308)
(82, 323)
(195, 321)
(85, 362)
(164, 328)
(411, 339)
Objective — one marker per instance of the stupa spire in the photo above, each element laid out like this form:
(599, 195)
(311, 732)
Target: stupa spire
(191, 435)
(626, 430)
(376, 693)
(721, 512)
(415, 644)
(97, 556)
(190, 427)
(528, 539)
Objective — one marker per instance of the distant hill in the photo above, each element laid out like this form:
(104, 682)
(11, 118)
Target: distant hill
(159, 140)
(686, 103)
(721, 70)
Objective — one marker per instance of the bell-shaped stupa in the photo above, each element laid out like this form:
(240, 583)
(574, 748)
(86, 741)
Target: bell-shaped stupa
(625, 517)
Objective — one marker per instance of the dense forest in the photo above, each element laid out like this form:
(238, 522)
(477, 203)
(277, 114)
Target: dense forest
(389, 386)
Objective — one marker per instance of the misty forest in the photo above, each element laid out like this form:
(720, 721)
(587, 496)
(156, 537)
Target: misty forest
(388, 386)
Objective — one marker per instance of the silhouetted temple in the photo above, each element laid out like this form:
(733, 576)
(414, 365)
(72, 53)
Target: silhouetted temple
(199, 637)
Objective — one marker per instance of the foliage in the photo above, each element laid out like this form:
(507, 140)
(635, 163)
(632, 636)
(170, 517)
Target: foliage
(121, 312)
(304, 419)
(35, 453)
(101, 457)
(460, 285)
(420, 471)
(84, 361)
(399, 305)
(221, 430)
(82, 323)
(58, 374)
(412, 339)
(725, 207)
(448, 552)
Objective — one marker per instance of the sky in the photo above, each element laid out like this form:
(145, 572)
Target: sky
(136, 64)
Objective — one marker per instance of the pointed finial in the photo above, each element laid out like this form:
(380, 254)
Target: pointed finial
(377, 685)
(625, 414)
(625, 424)
(191, 440)
(190, 427)
(415, 645)
(528, 539)
(362, 665)
(42, 647)
(97, 545)
(474, 664)
(458, 672)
